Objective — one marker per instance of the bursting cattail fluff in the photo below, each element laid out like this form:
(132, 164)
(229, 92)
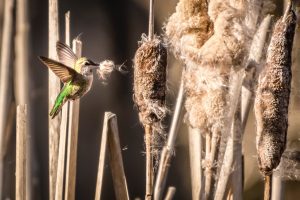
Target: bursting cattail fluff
(150, 63)
(273, 93)
(212, 40)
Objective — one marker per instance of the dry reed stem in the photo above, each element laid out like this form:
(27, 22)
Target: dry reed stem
(54, 89)
(234, 139)
(8, 128)
(170, 193)
(237, 176)
(254, 67)
(116, 160)
(268, 187)
(73, 115)
(195, 152)
(5, 85)
(63, 130)
(102, 155)
(21, 151)
(272, 98)
(22, 75)
(168, 149)
(151, 20)
(149, 163)
(110, 142)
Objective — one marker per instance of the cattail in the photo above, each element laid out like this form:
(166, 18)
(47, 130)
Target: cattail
(273, 93)
(150, 63)
(212, 40)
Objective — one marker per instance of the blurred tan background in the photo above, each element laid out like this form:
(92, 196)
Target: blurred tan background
(111, 30)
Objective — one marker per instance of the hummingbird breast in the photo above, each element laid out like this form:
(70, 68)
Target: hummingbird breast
(81, 87)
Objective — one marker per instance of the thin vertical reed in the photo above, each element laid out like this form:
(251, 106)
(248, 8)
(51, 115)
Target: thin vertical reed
(168, 149)
(63, 130)
(54, 89)
(72, 137)
(5, 86)
(22, 75)
(195, 152)
(170, 193)
(21, 149)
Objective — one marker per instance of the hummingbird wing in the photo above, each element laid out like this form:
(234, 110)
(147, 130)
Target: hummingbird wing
(65, 54)
(64, 72)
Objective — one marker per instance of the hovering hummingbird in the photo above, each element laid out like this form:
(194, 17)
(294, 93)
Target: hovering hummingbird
(75, 73)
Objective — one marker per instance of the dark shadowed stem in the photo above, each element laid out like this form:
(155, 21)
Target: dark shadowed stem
(21, 149)
(5, 85)
(63, 131)
(151, 20)
(210, 163)
(168, 149)
(149, 163)
(73, 124)
(54, 88)
(207, 153)
(170, 193)
(268, 187)
(195, 152)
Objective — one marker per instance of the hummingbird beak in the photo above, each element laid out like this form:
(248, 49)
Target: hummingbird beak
(93, 67)
(92, 63)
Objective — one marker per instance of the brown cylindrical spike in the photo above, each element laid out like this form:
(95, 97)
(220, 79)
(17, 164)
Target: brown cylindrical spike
(273, 94)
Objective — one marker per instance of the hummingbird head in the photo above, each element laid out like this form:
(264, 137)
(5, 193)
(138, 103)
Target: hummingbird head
(85, 65)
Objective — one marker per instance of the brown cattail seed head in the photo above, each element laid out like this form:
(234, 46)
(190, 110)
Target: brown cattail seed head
(273, 93)
(150, 63)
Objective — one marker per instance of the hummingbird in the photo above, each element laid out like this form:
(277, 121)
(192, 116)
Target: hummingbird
(76, 74)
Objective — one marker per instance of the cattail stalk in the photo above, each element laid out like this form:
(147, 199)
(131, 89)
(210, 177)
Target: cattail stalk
(168, 149)
(195, 152)
(272, 99)
(149, 94)
(73, 115)
(5, 84)
(254, 67)
(21, 151)
(22, 76)
(63, 130)
(54, 89)
(170, 193)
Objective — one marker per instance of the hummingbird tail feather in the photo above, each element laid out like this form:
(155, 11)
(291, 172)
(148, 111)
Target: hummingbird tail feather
(59, 102)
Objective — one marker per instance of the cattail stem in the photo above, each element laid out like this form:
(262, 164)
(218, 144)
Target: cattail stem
(149, 163)
(5, 84)
(151, 20)
(54, 89)
(195, 152)
(73, 115)
(170, 193)
(21, 151)
(63, 130)
(167, 152)
(268, 187)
